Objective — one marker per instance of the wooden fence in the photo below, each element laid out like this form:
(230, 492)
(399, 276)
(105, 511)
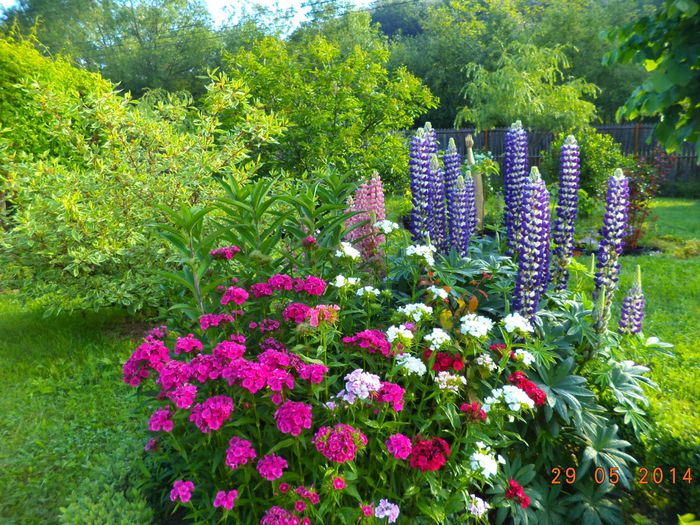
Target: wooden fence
(631, 137)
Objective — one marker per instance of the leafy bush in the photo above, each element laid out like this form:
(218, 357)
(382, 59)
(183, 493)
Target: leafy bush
(600, 155)
(344, 108)
(644, 186)
(80, 200)
(268, 351)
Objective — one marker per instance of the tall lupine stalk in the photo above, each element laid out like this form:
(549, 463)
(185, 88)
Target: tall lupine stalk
(567, 209)
(452, 162)
(368, 205)
(436, 210)
(423, 147)
(608, 257)
(533, 248)
(632, 314)
(472, 213)
(459, 218)
(514, 177)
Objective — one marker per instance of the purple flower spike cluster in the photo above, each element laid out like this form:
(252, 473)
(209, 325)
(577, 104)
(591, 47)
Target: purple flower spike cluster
(423, 183)
(613, 232)
(452, 162)
(514, 177)
(567, 209)
(436, 211)
(470, 186)
(458, 219)
(632, 314)
(533, 261)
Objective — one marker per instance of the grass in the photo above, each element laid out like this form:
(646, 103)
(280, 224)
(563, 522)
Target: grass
(63, 405)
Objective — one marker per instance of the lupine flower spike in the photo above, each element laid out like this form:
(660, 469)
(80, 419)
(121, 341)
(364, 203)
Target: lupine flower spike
(534, 246)
(436, 210)
(514, 177)
(368, 206)
(567, 209)
(613, 233)
(632, 314)
(423, 147)
(470, 185)
(458, 218)
(453, 169)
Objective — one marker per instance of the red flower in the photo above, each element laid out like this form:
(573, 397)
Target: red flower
(429, 454)
(531, 389)
(516, 493)
(473, 411)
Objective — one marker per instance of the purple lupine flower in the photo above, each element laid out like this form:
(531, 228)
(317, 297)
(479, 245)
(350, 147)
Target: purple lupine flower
(453, 169)
(472, 220)
(514, 177)
(436, 210)
(608, 258)
(458, 218)
(418, 168)
(533, 247)
(632, 314)
(567, 209)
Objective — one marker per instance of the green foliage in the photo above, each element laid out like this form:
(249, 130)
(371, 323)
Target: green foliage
(344, 108)
(665, 43)
(528, 83)
(80, 199)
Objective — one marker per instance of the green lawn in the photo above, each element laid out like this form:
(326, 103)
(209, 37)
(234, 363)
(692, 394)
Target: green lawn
(63, 405)
(65, 410)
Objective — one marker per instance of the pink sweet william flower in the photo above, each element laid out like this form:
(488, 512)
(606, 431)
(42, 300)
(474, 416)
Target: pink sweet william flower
(399, 446)
(392, 393)
(292, 417)
(206, 366)
(239, 452)
(297, 312)
(229, 350)
(339, 443)
(174, 374)
(284, 488)
(281, 282)
(310, 241)
(151, 445)
(371, 340)
(323, 314)
(261, 290)
(151, 355)
(311, 285)
(225, 252)
(225, 499)
(338, 483)
(271, 467)
(269, 325)
(188, 344)
(182, 490)
(367, 510)
(300, 506)
(183, 396)
(208, 320)
(160, 420)
(212, 413)
(234, 294)
(313, 373)
(279, 516)
(305, 520)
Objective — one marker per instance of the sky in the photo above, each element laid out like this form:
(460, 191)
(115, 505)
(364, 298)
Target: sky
(221, 9)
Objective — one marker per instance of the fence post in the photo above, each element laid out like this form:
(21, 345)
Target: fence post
(478, 183)
(486, 140)
(636, 140)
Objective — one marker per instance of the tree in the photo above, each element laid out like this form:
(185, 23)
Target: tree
(527, 84)
(667, 43)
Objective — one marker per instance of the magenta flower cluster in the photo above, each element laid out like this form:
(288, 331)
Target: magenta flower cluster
(367, 208)
(293, 417)
(399, 446)
(225, 252)
(212, 413)
(271, 467)
(340, 443)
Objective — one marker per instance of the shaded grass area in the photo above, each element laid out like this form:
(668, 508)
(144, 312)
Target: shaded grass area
(63, 405)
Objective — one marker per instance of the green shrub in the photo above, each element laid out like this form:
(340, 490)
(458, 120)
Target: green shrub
(80, 200)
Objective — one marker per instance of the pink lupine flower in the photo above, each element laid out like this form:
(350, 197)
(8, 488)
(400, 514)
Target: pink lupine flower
(160, 420)
(368, 206)
(399, 446)
(314, 373)
(234, 294)
(261, 290)
(323, 314)
(297, 312)
(392, 393)
(212, 413)
(281, 282)
(188, 344)
(271, 467)
(338, 483)
(240, 451)
(292, 417)
(183, 396)
(182, 490)
(225, 499)
(225, 252)
(339, 443)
